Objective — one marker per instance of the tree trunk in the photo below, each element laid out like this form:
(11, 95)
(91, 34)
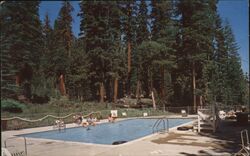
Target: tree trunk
(124, 87)
(201, 101)
(194, 86)
(129, 57)
(129, 68)
(151, 82)
(62, 85)
(17, 80)
(101, 92)
(162, 82)
(153, 99)
(138, 86)
(69, 53)
(115, 89)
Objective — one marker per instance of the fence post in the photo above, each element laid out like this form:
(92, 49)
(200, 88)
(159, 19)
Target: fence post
(48, 121)
(199, 128)
(25, 145)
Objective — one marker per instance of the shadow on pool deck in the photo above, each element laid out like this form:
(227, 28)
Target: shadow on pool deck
(229, 133)
(225, 140)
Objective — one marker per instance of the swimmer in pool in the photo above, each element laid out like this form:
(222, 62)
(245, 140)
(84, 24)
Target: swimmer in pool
(110, 118)
(84, 123)
(91, 120)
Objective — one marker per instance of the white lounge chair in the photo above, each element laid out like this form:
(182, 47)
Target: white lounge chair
(114, 113)
(124, 114)
(245, 149)
(6, 152)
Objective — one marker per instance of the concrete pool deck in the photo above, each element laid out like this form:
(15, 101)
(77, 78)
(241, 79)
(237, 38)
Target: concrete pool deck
(185, 143)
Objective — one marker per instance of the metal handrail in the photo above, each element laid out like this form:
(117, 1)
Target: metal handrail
(157, 123)
(164, 125)
(167, 124)
(25, 143)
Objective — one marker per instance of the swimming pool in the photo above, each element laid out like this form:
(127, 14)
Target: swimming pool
(107, 133)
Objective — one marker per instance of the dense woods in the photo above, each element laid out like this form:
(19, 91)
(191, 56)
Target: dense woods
(183, 51)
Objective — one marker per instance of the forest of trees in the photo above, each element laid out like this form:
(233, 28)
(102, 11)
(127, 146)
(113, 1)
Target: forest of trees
(183, 51)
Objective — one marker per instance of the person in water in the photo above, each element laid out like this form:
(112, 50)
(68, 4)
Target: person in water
(91, 120)
(110, 118)
(85, 123)
(78, 119)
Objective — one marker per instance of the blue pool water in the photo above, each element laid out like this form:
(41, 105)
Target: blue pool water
(107, 133)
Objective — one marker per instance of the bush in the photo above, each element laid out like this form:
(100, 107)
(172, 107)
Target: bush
(63, 101)
(12, 106)
(39, 99)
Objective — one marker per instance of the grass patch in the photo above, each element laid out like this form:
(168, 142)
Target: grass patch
(62, 107)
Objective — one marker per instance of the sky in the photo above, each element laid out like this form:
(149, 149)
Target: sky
(235, 11)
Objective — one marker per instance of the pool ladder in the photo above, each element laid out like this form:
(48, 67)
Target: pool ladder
(158, 123)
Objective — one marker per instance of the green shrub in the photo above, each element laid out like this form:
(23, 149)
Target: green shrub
(12, 106)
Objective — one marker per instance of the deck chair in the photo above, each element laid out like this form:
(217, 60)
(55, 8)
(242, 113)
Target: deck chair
(6, 152)
(114, 113)
(124, 114)
(59, 124)
(245, 149)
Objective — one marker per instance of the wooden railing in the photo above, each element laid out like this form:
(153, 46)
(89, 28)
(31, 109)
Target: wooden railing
(207, 118)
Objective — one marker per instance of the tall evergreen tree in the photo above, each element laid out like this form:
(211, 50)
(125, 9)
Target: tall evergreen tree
(78, 80)
(63, 38)
(164, 31)
(129, 29)
(22, 40)
(102, 39)
(142, 19)
(115, 51)
(49, 44)
(197, 25)
(235, 77)
(8, 72)
(64, 26)
(142, 34)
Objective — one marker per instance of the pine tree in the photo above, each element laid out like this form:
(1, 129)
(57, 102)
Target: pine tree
(99, 36)
(142, 34)
(223, 73)
(216, 66)
(63, 38)
(197, 25)
(88, 30)
(49, 44)
(7, 68)
(47, 34)
(147, 54)
(129, 29)
(78, 82)
(164, 31)
(116, 68)
(234, 74)
(44, 84)
(142, 19)
(64, 26)
(22, 38)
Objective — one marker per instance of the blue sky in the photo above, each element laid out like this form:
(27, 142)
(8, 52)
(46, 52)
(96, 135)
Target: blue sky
(235, 11)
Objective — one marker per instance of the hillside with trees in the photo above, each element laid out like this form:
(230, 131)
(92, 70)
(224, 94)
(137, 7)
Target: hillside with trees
(182, 51)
